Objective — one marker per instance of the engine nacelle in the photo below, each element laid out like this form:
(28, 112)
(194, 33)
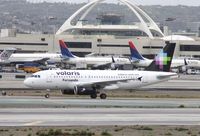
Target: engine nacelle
(113, 66)
(79, 91)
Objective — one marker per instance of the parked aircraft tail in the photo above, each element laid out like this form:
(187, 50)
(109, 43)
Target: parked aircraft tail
(162, 61)
(135, 55)
(6, 53)
(64, 50)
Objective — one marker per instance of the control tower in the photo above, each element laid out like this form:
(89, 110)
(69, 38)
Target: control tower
(110, 23)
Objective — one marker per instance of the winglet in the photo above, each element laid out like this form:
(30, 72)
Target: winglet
(185, 62)
(162, 61)
(113, 60)
(135, 55)
(64, 50)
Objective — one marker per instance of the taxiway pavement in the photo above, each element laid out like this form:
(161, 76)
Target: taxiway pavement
(60, 102)
(98, 116)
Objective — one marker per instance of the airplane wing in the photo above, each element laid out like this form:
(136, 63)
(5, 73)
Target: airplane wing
(41, 61)
(105, 65)
(102, 65)
(180, 64)
(91, 55)
(103, 84)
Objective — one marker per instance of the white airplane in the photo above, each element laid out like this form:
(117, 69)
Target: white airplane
(5, 55)
(35, 57)
(91, 61)
(89, 82)
(138, 60)
(192, 63)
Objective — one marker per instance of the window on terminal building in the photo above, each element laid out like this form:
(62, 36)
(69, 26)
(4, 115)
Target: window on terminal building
(20, 76)
(79, 44)
(15, 43)
(152, 47)
(196, 56)
(81, 54)
(111, 45)
(189, 47)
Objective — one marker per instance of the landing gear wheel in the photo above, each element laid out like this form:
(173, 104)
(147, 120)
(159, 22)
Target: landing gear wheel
(103, 96)
(47, 96)
(93, 96)
(3, 93)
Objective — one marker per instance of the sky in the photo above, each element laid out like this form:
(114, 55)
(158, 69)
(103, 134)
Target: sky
(140, 2)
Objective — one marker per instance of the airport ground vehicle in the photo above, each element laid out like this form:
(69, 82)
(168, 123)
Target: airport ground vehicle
(29, 67)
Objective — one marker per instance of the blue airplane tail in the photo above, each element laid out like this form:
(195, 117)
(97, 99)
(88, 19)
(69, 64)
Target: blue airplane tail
(135, 55)
(64, 50)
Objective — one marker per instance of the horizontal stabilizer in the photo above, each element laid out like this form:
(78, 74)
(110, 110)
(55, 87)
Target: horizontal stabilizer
(173, 75)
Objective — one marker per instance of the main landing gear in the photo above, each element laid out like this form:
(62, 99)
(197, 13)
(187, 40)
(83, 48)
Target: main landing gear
(47, 95)
(102, 96)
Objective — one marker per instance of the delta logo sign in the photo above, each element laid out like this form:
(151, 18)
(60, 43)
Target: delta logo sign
(162, 59)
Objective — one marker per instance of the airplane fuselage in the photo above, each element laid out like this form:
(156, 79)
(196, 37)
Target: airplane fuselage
(106, 79)
(174, 64)
(28, 57)
(97, 60)
(193, 63)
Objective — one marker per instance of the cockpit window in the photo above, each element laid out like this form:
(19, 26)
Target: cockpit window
(36, 76)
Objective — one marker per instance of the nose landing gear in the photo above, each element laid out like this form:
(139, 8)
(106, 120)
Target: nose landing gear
(47, 95)
(3, 93)
(94, 96)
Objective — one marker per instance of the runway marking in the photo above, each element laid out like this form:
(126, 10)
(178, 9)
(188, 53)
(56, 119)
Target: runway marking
(34, 123)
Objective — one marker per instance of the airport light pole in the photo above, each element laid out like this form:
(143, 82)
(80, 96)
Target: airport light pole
(99, 40)
(54, 31)
(169, 19)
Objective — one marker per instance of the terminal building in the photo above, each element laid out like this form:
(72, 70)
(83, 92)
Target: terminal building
(108, 35)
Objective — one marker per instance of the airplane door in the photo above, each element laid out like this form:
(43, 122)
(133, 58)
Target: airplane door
(49, 78)
(144, 79)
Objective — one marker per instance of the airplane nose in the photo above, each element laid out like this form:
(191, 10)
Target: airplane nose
(27, 82)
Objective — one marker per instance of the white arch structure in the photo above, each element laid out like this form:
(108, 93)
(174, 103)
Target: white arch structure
(141, 15)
